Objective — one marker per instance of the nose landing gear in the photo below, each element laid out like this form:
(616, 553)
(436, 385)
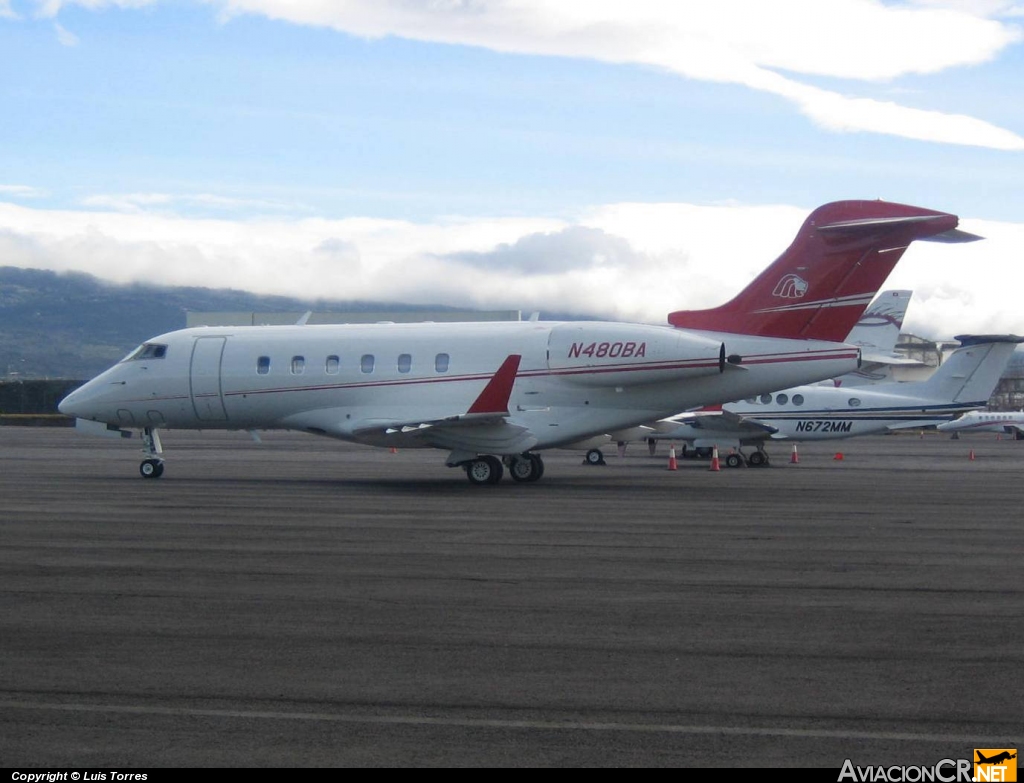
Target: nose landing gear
(153, 465)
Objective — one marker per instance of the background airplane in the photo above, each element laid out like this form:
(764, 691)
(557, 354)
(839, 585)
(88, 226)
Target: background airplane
(1005, 422)
(876, 334)
(965, 381)
(494, 394)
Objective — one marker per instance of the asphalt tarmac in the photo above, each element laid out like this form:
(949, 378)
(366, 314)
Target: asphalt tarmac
(304, 602)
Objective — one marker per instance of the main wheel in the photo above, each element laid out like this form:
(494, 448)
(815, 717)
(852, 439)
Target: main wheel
(151, 468)
(539, 463)
(484, 470)
(758, 459)
(733, 461)
(594, 457)
(526, 467)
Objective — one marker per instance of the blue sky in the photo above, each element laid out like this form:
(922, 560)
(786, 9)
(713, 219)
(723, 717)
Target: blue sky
(664, 152)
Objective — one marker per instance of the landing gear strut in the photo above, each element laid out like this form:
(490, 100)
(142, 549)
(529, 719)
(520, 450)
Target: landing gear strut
(153, 465)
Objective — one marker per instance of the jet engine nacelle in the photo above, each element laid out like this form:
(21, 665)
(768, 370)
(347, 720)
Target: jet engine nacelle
(598, 354)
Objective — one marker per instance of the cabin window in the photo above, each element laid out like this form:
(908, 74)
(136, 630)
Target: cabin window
(798, 399)
(404, 362)
(854, 402)
(263, 365)
(298, 365)
(766, 398)
(366, 363)
(441, 362)
(332, 366)
(781, 399)
(147, 351)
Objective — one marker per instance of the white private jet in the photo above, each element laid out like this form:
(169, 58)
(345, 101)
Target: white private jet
(1003, 422)
(494, 393)
(964, 382)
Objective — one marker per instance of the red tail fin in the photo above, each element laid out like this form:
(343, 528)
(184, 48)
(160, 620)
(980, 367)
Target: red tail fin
(820, 286)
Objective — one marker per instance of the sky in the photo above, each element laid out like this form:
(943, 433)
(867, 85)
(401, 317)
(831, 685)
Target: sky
(612, 159)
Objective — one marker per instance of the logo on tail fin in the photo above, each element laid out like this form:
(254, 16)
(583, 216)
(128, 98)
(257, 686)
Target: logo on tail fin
(790, 287)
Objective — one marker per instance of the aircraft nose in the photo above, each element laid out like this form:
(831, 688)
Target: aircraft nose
(67, 405)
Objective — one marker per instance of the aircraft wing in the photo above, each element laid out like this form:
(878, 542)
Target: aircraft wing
(484, 428)
(481, 433)
(713, 427)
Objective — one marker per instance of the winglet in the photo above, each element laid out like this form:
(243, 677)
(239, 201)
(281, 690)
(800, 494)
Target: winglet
(494, 397)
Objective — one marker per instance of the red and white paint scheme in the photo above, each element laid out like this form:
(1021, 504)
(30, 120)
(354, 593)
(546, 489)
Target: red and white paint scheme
(495, 394)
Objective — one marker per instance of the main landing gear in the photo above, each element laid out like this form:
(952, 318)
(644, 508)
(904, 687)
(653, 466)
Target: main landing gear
(488, 469)
(758, 459)
(735, 459)
(153, 465)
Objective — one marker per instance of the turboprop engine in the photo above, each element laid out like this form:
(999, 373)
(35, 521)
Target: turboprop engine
(598, 354)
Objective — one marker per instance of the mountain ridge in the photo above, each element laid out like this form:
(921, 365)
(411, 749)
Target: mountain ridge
(75, 325)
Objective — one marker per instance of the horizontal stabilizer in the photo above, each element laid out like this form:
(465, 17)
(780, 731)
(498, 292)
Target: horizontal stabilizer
(978, 339)
(953, 237)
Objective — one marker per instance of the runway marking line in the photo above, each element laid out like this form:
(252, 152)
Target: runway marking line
(491, 723)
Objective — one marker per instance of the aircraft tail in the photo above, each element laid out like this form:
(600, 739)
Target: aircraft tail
(820, 286)
(971, 373)
(878, 330)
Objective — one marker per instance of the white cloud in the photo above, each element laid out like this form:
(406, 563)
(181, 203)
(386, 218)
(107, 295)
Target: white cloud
(157, 202)
(742, 41)
(631, 261)
(6, 12)
(22, 191)
(64, 37)
(50, 8)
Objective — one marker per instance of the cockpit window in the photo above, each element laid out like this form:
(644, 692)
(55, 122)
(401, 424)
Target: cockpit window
(147, 351)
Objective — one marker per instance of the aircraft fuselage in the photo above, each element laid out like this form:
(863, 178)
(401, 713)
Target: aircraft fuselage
(575, 379)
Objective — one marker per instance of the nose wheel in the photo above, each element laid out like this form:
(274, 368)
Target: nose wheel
(152, 466)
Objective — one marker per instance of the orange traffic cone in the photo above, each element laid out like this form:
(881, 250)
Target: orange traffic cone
(838, 457)
(794, 458)
(394, 450)
(672, 458)
(714, 459)
(970, 455)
